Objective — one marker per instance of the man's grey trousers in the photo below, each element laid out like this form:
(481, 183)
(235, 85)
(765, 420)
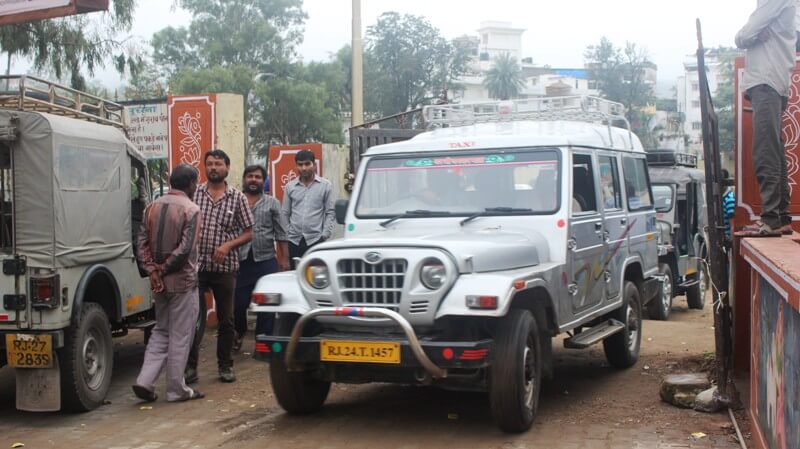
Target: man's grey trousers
(170, 342)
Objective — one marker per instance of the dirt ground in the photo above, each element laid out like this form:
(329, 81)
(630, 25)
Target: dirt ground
(588, 405)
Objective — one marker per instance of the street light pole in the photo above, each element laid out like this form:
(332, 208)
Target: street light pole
(357, 94)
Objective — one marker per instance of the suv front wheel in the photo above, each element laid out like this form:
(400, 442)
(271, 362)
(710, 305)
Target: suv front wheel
(298, 392)
(622, 348)
(660, 308)
(515, 376)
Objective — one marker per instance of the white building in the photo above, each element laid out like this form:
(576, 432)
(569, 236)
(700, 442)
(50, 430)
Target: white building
(688, 91)
(497, 38)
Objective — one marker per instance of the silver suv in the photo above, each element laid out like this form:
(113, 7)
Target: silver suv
(466, 250)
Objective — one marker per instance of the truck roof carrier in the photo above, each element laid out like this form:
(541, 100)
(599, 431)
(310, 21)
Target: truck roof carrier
(29, 93)
(582, 108)
(670, 158)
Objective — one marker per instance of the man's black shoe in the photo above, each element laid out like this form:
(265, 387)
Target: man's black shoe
(190, 376)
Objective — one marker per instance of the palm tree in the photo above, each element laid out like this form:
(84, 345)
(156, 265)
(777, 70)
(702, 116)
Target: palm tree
(505, 79)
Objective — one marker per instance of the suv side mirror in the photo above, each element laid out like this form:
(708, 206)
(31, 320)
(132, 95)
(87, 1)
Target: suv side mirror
(341, 210)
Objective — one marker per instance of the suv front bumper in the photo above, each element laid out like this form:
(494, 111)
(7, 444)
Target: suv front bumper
(435, 357)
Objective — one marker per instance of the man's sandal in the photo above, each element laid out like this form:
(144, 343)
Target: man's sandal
(758, 230)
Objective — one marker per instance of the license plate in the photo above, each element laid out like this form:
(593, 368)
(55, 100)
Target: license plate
(359, 351)
(29, 351)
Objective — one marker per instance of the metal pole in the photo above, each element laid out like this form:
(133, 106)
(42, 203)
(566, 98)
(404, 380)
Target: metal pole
(357, 107)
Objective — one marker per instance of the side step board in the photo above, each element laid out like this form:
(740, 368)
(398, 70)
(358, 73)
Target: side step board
(595, 334)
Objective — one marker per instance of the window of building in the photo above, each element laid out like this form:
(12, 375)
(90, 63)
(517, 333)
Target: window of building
(696, 104)
(695, 87)
(697, 126)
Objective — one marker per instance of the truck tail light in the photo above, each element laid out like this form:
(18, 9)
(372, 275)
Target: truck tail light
(44, 292)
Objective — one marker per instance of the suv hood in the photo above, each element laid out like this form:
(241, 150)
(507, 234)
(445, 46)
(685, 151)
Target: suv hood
(490, 249)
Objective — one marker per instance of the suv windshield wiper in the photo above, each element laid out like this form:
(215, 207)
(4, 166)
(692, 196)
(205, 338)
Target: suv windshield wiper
(495, 211)
(415, 213)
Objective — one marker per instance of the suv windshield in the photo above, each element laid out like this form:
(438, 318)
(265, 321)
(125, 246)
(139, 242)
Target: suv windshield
(663, 197)
(461, 184)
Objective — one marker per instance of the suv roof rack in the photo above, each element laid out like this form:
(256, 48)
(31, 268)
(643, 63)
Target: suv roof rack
(582, 108)
(29, 93)
(670, 158)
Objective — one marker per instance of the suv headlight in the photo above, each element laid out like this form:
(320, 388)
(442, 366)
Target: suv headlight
(317, 274)
(433, 274)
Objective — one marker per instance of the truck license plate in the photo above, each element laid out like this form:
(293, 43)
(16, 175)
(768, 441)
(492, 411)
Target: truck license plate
(359, 351)
(29, 351)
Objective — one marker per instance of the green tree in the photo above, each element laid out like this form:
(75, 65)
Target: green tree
(293, 111)
(236, 79)
(67, 46)
(622, 76)
(724, 96)
(261, 34)
(505, 79)
(408, 64)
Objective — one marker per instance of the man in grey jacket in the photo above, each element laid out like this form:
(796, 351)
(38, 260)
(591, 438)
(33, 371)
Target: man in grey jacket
(769, 40)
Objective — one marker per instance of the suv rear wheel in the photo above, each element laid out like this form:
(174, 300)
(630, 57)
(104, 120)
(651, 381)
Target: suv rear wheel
(622, 348)
(515, 376)
(86, 360)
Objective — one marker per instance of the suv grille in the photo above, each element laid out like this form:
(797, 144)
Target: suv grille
(379, 285)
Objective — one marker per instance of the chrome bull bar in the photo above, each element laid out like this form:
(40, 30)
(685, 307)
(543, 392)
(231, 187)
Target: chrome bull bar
(366, 312)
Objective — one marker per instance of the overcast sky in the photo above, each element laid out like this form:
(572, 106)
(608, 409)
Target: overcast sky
(557, 32)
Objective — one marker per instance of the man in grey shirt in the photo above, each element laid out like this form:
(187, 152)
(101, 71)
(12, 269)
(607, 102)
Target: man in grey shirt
(307, 207)
(265, 254)
(769, 40)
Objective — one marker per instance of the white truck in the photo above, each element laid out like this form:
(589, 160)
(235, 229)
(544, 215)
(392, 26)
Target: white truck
(466, 250)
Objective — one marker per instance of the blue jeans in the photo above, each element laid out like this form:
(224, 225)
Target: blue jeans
(249, 274)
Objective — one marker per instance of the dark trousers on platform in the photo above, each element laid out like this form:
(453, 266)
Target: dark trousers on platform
(769, 155)
(222, 286)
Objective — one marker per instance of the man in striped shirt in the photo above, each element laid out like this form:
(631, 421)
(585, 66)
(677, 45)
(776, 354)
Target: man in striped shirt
(267, 253)
(227, 224)
(728, 205)
(167, 248)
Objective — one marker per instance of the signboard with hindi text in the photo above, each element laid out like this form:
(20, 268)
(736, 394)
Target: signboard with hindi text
(20, 11)
(149, 129)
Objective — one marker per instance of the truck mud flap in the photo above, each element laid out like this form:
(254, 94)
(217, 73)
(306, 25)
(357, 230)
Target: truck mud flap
(650, 289)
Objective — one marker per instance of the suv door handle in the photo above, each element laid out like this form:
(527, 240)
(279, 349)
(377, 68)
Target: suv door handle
(598, 226)
(623, 221)
(572, 243)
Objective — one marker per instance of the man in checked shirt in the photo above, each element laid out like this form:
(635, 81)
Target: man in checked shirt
(227, 224)
(307, 207)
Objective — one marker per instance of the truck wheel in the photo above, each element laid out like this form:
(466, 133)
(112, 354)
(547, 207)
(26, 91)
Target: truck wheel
(86, 360)
(622, 348)
(662, 306)
(696, 294)
(297, 392)
(515, 375)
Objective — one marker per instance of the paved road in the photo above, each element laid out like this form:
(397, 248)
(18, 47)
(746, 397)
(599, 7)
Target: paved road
(588, 405)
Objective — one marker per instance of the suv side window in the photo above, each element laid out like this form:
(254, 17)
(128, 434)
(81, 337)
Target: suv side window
(637, 187)
(609, 183)
(584, 197)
